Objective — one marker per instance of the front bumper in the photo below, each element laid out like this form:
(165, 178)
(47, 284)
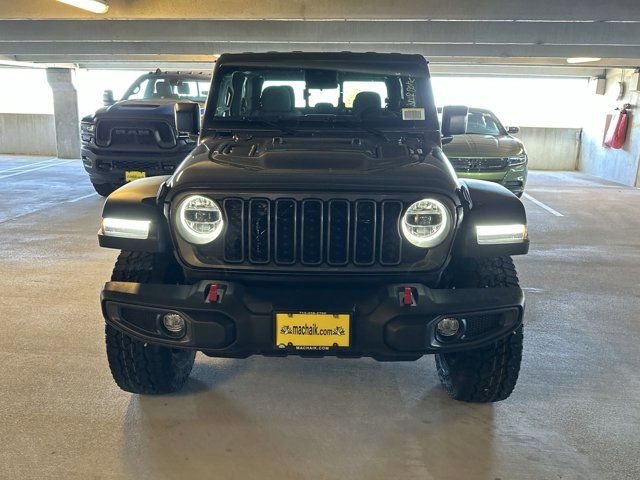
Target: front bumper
(241, 322)
(106, 166)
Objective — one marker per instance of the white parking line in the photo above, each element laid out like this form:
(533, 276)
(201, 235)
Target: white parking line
(48, 205)
(42, 167)
(542, 205)
(81, 198)
(28, 165)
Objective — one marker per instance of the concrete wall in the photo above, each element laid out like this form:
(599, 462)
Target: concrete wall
(551, 148)
(616, 165)
(28, 134)
(34, 134)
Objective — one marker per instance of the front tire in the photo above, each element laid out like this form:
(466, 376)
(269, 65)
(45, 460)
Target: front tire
(136, 366)
(486, 374)
(104, 189)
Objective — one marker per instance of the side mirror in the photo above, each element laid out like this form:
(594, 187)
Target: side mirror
(454, 120)
(513, 130)
(107, 98)
(187, 115)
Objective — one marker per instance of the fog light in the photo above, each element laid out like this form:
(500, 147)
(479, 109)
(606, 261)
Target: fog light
(448, 327)
(174, 323)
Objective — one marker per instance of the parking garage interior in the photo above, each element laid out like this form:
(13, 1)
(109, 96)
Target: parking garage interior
(560, 73)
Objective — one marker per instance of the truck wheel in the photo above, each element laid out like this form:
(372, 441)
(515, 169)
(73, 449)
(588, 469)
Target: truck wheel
(136, 366)
(486, 374)
(104, 189)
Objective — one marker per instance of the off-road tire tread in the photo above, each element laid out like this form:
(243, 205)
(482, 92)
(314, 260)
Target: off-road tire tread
(486, 374)
(139, 367)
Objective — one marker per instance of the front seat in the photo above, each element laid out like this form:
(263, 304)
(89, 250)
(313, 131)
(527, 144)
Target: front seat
(163, 90)
(277, 99)
(367, 102)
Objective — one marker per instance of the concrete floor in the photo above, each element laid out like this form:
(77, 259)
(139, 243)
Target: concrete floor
(575, 413)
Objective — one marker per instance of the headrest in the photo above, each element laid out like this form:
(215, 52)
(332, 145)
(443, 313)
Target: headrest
(163, 88)
(324, 107)
(278, 98)
(366, 101)
(184, 89)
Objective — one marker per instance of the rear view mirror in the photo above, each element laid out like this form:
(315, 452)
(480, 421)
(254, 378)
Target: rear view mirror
(321, 79)
(107, 98)
(513, 130)
(187, 116)
(454, 120)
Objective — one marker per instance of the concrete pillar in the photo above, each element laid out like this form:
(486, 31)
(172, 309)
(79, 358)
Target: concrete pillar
(65, 111)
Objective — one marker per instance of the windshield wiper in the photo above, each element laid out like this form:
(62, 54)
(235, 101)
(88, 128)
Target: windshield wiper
(371, 130)
(359, 124)
(277, 125)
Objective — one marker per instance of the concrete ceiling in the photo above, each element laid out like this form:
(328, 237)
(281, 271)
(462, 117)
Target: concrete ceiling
(516, 36)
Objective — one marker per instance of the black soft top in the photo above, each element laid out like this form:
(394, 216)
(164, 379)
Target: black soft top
(390, 63)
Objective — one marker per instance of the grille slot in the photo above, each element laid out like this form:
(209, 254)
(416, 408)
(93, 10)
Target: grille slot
(338, 238)
(259, 230)
(390, 240)
(312, 232)
(365, 233)
(234, 236)
(286, 241)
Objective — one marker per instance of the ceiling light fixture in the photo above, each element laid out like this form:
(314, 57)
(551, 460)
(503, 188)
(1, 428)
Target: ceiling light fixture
(583, 59)
(95, 6)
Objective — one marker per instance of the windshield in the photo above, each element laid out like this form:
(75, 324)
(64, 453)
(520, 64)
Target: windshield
(288, 96)
(168, 87)
(484, 123)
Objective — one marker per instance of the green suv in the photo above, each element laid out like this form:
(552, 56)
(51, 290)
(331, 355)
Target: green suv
(488, 152)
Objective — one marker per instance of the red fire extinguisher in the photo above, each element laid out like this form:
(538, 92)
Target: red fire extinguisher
(617, 133)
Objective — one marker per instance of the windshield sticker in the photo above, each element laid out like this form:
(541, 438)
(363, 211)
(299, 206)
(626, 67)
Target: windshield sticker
(413, 114)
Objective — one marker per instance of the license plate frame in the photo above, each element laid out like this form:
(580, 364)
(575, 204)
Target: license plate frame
(309, 331)
(131, 175)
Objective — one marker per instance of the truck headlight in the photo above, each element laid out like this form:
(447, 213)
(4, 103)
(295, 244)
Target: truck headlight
(88, 127)
(517, 160)
(199, 219)
(426, 223)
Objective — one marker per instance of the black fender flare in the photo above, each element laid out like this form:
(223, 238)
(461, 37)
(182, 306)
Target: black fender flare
(488, 203)
(138, 200)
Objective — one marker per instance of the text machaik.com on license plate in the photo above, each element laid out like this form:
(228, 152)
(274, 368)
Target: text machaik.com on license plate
(311, 331)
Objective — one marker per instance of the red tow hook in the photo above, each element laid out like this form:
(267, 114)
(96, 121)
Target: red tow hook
(407, 297)
(212, 296)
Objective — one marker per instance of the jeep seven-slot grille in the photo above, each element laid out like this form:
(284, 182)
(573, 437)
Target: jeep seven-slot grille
(312, 232)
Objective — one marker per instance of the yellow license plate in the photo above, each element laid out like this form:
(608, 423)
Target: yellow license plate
(312, 331)
(132, 175)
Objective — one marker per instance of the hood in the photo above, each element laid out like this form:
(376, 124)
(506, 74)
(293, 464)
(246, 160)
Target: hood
(314, 164)
(134, 108)
(485, 146)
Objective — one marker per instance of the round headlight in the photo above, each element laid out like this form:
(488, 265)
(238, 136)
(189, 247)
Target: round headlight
(199, 219)
(426, 223)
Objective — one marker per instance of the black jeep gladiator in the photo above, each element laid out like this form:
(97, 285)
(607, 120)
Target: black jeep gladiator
(317, 216)
(136, 136)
